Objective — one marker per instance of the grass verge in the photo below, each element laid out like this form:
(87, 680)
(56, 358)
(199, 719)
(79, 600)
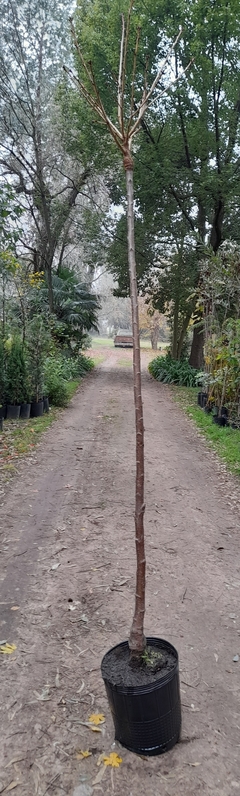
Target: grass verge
(20, 437)
(225, 441)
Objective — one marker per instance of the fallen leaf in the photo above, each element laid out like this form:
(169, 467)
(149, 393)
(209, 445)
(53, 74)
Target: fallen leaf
(55, 566)
(93, 728)
(112, 760)
(82, 754)
(7, 649)
(100, 758)
(96, 718)
(14, 760)
(57, 679)
(15, 608)
(12, 785)
(216, 657)
(194, 764)
(99, 776)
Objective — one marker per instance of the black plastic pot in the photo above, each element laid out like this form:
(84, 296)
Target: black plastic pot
(25, 411)
(220, 421)
(147, 718)
(45, 405)
(224, 411)
(13, 412)
(3, 411)
(1, 424)
(202, 399)
(36, 409)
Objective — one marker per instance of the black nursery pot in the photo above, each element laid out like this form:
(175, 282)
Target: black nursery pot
(3, 412)
(13, 412)
(25, 411)
(46, 404)
(202, 399)
(147, 718)
(36, 408)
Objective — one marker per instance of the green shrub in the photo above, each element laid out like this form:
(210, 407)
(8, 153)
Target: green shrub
(58, 371)
(16, 381)
(171, 371)
(55, 386)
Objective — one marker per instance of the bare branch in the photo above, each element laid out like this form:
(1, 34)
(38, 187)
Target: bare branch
(120, 79)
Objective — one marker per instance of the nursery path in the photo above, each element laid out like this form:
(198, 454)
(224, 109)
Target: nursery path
(67, 591)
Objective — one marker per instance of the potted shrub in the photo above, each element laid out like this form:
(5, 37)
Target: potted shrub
(141, 675)
(2, 380)
(16, 375)
(37, 339)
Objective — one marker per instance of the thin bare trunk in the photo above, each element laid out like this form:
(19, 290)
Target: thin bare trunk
(137, 640)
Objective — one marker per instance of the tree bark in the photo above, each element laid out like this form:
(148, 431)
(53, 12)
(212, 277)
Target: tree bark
(196, 355)
(175, 329)
(137, 641)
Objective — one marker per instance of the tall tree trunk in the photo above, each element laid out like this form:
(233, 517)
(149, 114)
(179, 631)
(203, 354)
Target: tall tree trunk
(196, 355)
(175, 329)
(154, 335)
(137, 641)
(183, 334)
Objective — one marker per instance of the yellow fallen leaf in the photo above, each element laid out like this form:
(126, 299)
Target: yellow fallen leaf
(93, 728)
(12, 785)
(7, 649)
(82, 754)
(112, 760)
(96, 718)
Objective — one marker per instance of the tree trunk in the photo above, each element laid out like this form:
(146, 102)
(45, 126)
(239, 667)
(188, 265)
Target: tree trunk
(50, 288)
(137, 641)
(196, 355)
(183, 334)
(154, 335)
(175, 330)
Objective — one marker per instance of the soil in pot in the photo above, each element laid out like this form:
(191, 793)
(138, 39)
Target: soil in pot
(25, 411)
(145, 701)
(155, 665)
(36, 409)
(13, 412)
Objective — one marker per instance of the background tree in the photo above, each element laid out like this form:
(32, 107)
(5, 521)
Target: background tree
(48, 182)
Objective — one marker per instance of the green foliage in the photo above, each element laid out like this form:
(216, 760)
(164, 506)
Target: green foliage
(75, 367)
(171, 371)
(16, 378)
(2, 372)
(225, 441)
(59, 371)
(55, 385)
(38, 340)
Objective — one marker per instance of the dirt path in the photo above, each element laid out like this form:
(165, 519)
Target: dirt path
(67, 591)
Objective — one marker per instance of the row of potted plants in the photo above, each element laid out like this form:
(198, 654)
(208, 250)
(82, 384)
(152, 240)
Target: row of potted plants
(22, 376)
(24, 410)
(221, 415)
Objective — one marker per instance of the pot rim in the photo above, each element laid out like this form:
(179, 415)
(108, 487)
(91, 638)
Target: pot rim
(148, 687)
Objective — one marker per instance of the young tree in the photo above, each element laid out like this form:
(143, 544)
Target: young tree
(129, 115)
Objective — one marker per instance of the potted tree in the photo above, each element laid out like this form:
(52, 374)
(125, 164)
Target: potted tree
(141, 675)
(2, 381)
(16, 375)
(36, 346)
